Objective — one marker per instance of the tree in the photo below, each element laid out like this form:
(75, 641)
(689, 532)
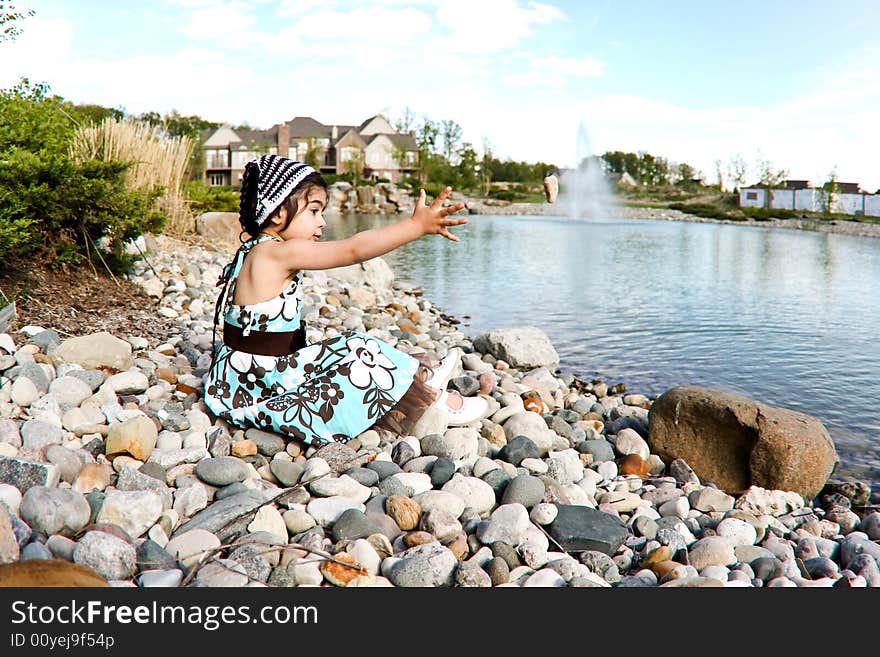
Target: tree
(313, 153)
(831, 190)
(737, 170)
(406, 122)
(770, 178)
(467, 168)
(485, 168)
(451, 132)
(719, 175)
(10, 21)
(353, 166)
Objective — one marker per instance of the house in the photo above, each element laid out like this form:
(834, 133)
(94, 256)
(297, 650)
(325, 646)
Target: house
(373, 149)
(846, 198)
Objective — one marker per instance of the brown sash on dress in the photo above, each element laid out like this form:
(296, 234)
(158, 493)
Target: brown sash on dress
(264, 343)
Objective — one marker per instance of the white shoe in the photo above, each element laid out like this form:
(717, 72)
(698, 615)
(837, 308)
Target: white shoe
(447, 368)
(472, 409)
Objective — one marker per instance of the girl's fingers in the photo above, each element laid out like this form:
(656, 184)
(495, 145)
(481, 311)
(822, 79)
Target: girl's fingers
(421, 200)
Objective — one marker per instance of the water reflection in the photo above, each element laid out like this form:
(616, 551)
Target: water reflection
(783, 316)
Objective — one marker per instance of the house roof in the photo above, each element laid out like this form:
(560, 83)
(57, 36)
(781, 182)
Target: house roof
(306, 126)
(404, 141)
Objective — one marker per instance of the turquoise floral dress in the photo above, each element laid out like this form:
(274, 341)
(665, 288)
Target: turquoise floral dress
(329, 391)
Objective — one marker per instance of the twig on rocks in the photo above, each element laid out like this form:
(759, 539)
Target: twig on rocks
(555, 541)
(209, 556)
(144, 256)
(98, 251)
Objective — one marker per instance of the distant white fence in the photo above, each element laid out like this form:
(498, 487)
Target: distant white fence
(811, 200)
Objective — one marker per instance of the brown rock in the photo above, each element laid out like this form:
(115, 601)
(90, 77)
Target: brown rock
(136, 436)
(185, 389)
(633, 464)
(166, 374)
(487, 383)
(404, 511)
(662, 553)
(418, 538)
(381, 545)
(9, 549)
(246, 447)
(49, 573)
(92, 477)
(459, 547)
(219, 226)
(736, 442)
(663, 569)
(338, 574)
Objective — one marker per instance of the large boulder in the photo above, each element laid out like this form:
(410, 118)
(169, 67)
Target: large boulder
(736, 442)
(374, 272)
(526, 347)
(219, 226)
(94, 351)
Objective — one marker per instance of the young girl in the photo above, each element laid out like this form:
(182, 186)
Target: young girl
(263, 374)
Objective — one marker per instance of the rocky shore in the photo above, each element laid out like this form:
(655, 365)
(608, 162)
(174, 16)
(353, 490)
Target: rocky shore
(387, 198)
(111, 469)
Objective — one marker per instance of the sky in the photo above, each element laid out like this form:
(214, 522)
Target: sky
(794, 84)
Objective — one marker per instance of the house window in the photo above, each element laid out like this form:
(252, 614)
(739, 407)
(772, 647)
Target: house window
(751, 196)
(216, 179)
(218, 159)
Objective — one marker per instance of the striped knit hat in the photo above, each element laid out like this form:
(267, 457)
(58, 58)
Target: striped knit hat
(277, 177)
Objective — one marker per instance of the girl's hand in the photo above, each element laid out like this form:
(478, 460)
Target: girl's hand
(434, 218)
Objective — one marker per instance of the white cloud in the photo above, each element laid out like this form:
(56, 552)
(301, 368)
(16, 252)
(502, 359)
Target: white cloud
(491, 26)
(217, 21)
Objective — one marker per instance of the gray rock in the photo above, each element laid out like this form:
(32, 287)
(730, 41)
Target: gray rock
(467, 386)
(509, 524)
(428, 565)
(601, 564)
(455, 444)
(92, 378)
(766, 568)
(37, 434)
(35, 550)
(601, 450)
(222, 573)
(819, 567)
(151, 556)
(25, 474)
(363, 476)
(107, 555)
(524, 348)
(221, 513)
(583, 528)
(37, 375)
(54, 510)
(470, 575)
(853, 545)
(286, 472)
(69, 391)
(384, 469)
(160, 578)
(230, 490)
(134, 511)
(353, 524)
(498, 479)
(68, 463)
(46, 339)
(221, 471)
(442, 471)
(10, 550)
(506, 552)
(517, 449)
(498, 571)
(255, 564)
(524, 489)
(866, 566)
(130, 479)
(403, 452)
(340, 457)
(442, 524)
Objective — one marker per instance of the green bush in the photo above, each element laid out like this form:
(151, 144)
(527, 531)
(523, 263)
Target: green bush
(765, 214)
(203, 198)
(52, 207)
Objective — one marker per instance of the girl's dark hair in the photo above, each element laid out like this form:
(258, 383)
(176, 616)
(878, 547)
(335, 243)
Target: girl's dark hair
(250, 181)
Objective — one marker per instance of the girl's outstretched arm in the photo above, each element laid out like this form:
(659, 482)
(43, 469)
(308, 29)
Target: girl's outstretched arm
(426, 219)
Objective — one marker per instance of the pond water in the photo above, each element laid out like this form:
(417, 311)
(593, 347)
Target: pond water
(783, 316)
